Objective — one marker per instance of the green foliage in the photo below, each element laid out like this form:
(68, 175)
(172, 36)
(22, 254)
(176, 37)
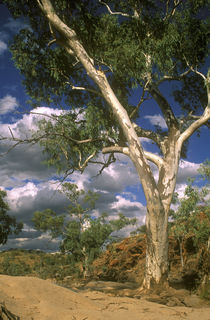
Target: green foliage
(192, 218)
(82, 234)
(205, 170)
(119, 45)
(12, 268)
(140, 230)
(55, 266)
(47, 220)
(8, 224)
(21, 262)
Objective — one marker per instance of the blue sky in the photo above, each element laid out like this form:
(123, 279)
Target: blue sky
(31, 186)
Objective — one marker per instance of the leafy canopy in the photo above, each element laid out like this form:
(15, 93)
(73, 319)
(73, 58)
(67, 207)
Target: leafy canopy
(8, 224)
(147, 42)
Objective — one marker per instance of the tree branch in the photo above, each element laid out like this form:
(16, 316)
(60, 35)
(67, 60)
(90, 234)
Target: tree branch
(118, 13)
(199, 73)
(71, 43)
(178, 77)
(142, 99)
(117, 149)
(105, 164)
(148, 134)
(165, 107)
(85, 163)
(173, 10)
(193, 127)
(83, 89)
(157, 160)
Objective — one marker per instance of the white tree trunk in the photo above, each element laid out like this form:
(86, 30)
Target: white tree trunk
(158, 195)
(156, 269)
(180, 240)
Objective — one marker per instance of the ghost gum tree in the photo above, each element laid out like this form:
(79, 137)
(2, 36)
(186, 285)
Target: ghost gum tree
(91, 57)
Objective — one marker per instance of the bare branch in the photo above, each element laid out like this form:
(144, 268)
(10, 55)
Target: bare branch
(165, 107)
(118, 13)
(167, 8)
(195, 70)
(84, 89)
(11, 132)
(53, 117)
(178, 77)
(173, 10)
(18, 141)
(51, 42)
(142, 99)
(117, 149)
(105, 164)
(150, 156)
(199, 73)
(85, 163)
(193, 127)
(148, 134)
(34, 140)
(157, 160)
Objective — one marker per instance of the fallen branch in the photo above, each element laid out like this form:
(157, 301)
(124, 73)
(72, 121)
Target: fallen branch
(5, 314)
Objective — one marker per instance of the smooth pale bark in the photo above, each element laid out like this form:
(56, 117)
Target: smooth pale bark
(158, 195)
(156, 271)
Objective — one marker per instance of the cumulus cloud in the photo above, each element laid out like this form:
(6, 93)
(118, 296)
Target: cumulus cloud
(25, 161)
(187, 170)
(8, 104)
(22, 127)
(157, 120)
(31, 186)
(123, 203)
(3, 46)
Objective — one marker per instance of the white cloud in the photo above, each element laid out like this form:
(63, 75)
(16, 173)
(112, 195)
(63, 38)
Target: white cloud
(8, 104)
(158, 120)
(3, 46)
(22, 127)
(31, 187)
(187, 170)
(126, 204)
(145, 140)
(17, 195)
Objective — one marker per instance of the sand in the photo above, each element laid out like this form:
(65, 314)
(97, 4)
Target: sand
(37, 299)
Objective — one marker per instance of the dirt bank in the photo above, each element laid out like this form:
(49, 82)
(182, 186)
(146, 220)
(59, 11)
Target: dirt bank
(33, 298)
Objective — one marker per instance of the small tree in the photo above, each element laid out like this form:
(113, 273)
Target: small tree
(82, 234)
(8, 224)
(191, 219)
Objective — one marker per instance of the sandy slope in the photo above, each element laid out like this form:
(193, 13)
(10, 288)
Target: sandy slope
(33, 298)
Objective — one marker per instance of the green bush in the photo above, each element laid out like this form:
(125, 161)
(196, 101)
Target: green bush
(15, 269)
